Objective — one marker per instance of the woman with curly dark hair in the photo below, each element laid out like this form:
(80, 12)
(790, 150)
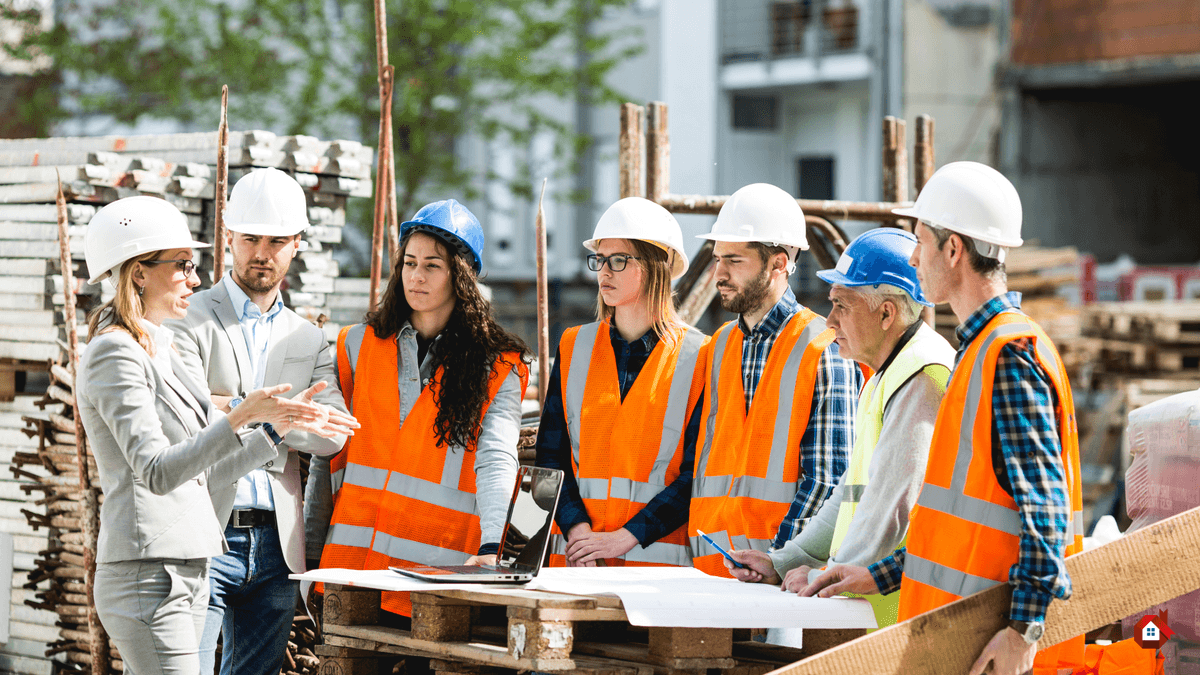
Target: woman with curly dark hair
(437, 385)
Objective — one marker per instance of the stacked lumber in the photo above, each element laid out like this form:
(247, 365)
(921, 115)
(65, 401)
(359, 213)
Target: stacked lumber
(1146, 337)
(177, 167)
(51, 478)
(94, 172)
(30, 626)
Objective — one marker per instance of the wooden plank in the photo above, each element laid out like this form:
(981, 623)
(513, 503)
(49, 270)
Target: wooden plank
(639, 653)
(26, 266)
(78, 214)
(691, 643)
(28, 351)
(24, 665)
(521, 598)
(395, 641)
(598, 614)
(1110, 583)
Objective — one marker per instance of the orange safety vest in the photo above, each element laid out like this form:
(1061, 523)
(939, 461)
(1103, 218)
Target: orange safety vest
(964, 531)
(747, 470)
(626, 452)
(400, 498)
(1121, 658)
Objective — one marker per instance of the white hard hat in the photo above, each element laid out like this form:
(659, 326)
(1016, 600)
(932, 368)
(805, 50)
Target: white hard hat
(267, 203)
(972, 199)
(638, 218)
(763, 213)
(130, 227)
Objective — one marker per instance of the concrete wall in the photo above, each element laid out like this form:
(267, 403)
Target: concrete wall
(1112, 170)
(814, 122)
(951, 51)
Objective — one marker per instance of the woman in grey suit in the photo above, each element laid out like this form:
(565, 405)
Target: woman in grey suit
(159, 443)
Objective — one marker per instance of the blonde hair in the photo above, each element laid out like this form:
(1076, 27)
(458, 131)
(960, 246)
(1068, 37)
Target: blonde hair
(125, 310)
(656, 288)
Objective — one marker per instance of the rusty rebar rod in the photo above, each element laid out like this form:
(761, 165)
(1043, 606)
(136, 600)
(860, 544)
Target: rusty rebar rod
(895, 166)
(384, 168)
(658, 153)
(222, 187)
(99, 647)
(632, 142)
(543, 301)
(828, 209)
(923, 164)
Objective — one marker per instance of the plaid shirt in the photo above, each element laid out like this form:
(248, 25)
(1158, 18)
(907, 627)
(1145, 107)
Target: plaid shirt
(669, 508)
(828, 439)
(1025, 428)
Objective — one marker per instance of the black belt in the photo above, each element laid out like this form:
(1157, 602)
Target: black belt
(244, 518)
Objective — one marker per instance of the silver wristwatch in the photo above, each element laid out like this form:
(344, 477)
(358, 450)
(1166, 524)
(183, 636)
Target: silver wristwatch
(1030, 631)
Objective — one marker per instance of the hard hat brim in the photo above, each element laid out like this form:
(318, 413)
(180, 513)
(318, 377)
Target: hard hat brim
(832, 277)
(107, 273)
(740, 239)
(263, 229)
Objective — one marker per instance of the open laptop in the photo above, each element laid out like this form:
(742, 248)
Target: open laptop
(525, 540)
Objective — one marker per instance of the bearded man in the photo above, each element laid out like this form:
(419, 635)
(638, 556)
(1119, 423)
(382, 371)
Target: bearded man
(238, 336)
(779, 402)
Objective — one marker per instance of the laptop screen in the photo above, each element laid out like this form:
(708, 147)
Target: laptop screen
(526, 537)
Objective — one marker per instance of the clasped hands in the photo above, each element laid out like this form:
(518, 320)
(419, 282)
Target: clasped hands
(300, 413)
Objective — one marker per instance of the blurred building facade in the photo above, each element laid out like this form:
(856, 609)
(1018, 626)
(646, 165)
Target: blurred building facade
(1098, 129)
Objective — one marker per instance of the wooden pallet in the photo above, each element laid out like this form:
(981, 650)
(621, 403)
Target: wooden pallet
(1169, 322)
(475, 631)
(12, 375)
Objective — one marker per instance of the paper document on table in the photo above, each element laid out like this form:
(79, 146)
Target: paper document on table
(689, 598)
(653, 596)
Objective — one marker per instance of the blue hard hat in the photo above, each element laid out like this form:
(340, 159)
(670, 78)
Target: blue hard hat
(454, 224)
(878, 256)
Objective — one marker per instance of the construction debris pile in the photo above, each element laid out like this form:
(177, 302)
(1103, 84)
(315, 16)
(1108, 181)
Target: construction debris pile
(94, 172)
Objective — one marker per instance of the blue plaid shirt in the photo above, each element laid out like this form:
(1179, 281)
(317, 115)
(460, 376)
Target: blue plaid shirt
(828, 439)
(669, 509)
(1025, 429)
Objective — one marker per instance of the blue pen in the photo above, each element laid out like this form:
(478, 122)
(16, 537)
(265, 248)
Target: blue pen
(723, 551)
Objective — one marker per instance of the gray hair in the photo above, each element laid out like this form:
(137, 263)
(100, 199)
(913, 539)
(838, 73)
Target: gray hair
(908, 310)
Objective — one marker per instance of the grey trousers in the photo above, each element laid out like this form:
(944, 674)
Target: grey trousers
(154, 612)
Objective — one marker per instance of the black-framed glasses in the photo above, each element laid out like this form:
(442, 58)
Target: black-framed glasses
(615, 262)
(184, 265)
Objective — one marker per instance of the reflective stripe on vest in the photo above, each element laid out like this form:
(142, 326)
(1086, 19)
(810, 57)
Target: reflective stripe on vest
(403, 499)
(925, 351)
(747, 470)
(625, 452)
(964, 532)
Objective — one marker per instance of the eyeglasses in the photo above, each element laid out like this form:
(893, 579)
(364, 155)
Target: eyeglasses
(616, 262)
(185, 266)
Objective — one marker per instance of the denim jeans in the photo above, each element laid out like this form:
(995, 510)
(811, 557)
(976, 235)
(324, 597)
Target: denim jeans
(251, 602)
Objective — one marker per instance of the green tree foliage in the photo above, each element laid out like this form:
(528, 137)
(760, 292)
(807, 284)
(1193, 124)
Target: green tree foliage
(491, 68)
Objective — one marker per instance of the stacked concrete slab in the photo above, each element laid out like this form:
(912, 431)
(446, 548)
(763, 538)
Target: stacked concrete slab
(47, 605)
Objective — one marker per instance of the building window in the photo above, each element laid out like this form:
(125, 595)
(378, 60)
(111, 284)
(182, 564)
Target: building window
(814, 178)
(755, 113)
(788, 20)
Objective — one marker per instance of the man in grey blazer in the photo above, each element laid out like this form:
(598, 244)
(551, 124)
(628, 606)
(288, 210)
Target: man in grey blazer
(238, 337)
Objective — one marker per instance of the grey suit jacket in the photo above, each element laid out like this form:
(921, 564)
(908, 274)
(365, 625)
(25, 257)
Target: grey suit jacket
(213, 347)
(156, 448)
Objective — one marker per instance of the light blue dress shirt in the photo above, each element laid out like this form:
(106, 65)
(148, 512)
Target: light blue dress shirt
(254, 489)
